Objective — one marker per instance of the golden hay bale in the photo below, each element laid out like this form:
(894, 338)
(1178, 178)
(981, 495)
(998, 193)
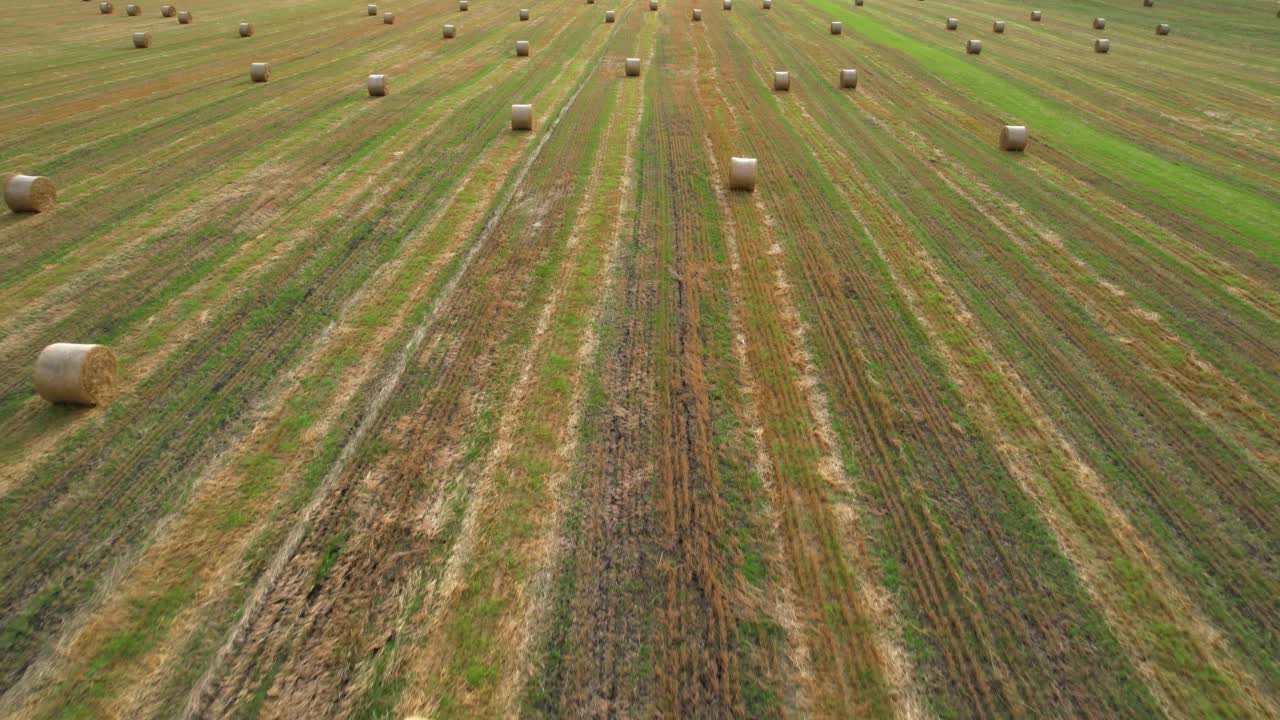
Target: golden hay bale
(260, 72)
(1036, 15)
(1102, 45)
(30, 193)
(997, 27)
(524, 14)
(373, 11)
(782, 81)
(168, 11)
(952, 23)
(1162, 29)
(697, 14)
(246, 30)
(742, 174)
(522, 48)
(1099, 23)
(449, 31)
(132, 10)
(848, 78)
(521, 117)
(973, 47)
(632, 66)
(388, 18)
(76, 374)
(1013, 138)
(837, 28)
(653, 5)
(185, 17)
(728, 4)
(106, 8)
(609, 16)
(379, 85)
(142, 40)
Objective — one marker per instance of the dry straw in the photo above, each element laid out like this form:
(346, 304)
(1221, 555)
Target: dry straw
(849, 78)
(373, 11)
(246, 30)
(522, 117)
(522, 48)
(952, 23)
(388, 18)
(782, 81)
(742, 174)
(1036, 15)
(76, 374)
(30, 193)
(185, 18)
(973, 47)
(1102, 45)
(132, 10)
(379, 85)
(1162, 29)
(632, 66)
(609, 16)
(106, 8)
(1099, 23)
(837, 28)
(260, 72)
(449, 31)
(997, 27)
(167, 11)
(142, 40)
(697, 14)
(524, 14)
(1014, 138)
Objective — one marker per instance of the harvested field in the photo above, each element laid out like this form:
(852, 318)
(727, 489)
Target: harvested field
(414, 415)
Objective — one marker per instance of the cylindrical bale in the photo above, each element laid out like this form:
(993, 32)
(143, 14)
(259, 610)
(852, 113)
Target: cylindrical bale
(973, 47)
(952, 23)
(697, 14)
(260, 72)
(1162, 29)
(379, 85)
(1013, 137)
(521, 117)
(632, 66)
(132, 10)
(185, 17)
(246, 30)
(766, 4)
(449, 31)
(168, 11)
(837, 28)
(1099, 23)
(388, 18)
(142, 40)
(653, 5)
(849, 78)
(522, 48)
(30, 194)
(463, 6)
(728, 4)
(997, 27)
(106, 8)
(1102, 45)
(742, 174)
(76, 374)
(609, 16)
(373, 11)
(524, 14)
(782, 81)
(1036, 15)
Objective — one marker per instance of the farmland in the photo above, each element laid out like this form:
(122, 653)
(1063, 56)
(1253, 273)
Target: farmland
(422, 416)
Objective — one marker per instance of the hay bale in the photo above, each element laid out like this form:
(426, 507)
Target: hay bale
(76, 374)
(388, 18)
(260, 72)
(697, 14)
(609, 16)
(849, 78)
(1036, 15)
(1102, 45)
(142, 40)
(973, 47)
(379, 85)
(653, 5)
(30, 194)
(185, 17)
(782, 81)
(952, 23)
(837, 28)
(168, 11)
(106, 8)
(522, 48)
(1162, 29)
(373, 11)
(521, 117)
(449, 31)
(524, 14)
(728, 4)
(463, 6)
(1099, 23)
(767, 4)
(1013, 138)
(246, 30)
(632, 67)
(132, 10)
(742, 174)
(997, 27)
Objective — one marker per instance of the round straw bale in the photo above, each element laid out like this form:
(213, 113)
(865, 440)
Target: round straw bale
(521, 117)
(449, 31)
(168, 11)
(1102, 45)
(997, 27)
(742, 174)
(185, 17)
(30, 193)
(373, 11)
(260, 72)
(632, 67)
(524, 14)
(1162, 29)
(76, 374)
(837, 28)
(522, 48)
(728, 4)
(463, 6)
(766, 4)
(697, 14)
(849, 78)
(388, 18)
(246, 30)
(608, 16)
(952, 23)
(653, 5)
(973, 47)
(782, 81)
(1099, 23)
(132, 10)
(142, 40)
(379, 85)
(1036, 15)
(106, 8)
(1013, 137)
